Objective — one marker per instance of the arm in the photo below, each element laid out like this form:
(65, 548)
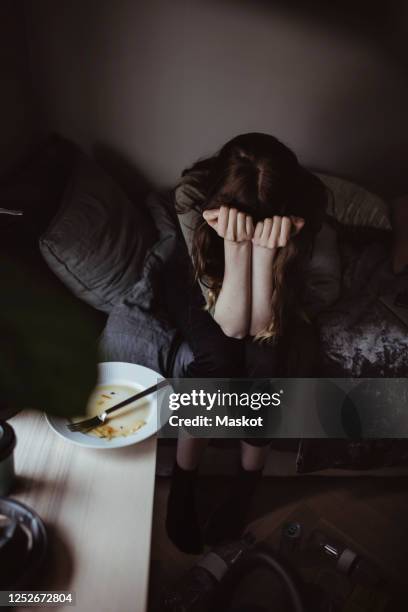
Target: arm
(233, 306)
(269, 236)
(262, 289)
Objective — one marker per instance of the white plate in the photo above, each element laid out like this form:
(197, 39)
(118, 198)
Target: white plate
(116, 373)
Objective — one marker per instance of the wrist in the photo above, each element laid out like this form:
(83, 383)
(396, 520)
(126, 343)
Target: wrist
(237, 257)
(264, 253)
(230, 246)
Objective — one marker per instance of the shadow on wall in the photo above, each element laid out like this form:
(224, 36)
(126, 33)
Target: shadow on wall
(383, 26)
(383, 23)
(167, 83)
(123, 171)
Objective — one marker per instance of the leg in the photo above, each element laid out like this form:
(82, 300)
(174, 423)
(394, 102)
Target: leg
(254, 454)
(215, 355)
(294, 355)
(230, 518)
(189, 451)
(261, 358)
(181, 520)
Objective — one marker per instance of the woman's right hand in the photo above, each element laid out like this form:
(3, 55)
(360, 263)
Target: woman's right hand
(274, 233)
(230, 224)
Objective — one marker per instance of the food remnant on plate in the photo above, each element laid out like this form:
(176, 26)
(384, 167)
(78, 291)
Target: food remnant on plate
(109, 432)
(126, 421)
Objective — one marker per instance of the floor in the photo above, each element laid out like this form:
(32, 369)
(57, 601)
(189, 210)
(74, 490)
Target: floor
(368, 514)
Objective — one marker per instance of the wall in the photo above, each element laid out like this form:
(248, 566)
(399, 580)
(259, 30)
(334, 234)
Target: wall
(18, 122)
(164, 83)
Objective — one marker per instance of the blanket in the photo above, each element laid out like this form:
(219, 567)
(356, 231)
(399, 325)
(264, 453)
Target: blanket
(360, 336)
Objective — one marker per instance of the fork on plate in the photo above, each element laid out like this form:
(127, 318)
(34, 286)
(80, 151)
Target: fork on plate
(100, 419)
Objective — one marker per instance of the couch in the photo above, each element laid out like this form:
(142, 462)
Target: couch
(109, 251)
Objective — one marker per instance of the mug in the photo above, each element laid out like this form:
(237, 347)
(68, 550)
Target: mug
(7, 444)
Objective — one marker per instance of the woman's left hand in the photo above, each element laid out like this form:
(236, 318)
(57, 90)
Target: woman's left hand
(274, 233)
(230, 224)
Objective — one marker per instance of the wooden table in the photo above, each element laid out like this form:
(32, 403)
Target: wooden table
(97, 506)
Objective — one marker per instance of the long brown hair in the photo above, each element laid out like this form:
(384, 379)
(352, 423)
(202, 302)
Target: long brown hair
(258, 175)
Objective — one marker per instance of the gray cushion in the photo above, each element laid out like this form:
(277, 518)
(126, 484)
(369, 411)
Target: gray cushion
(356, 206)
(98, 239)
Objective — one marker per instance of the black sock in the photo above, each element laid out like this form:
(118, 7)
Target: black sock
(181, 520)
(228, 521)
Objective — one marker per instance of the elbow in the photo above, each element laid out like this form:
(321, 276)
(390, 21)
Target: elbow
(232, 331)
(232, 326)
(238, 334)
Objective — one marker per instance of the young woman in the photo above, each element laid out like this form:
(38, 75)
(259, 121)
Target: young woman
(250, 222)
